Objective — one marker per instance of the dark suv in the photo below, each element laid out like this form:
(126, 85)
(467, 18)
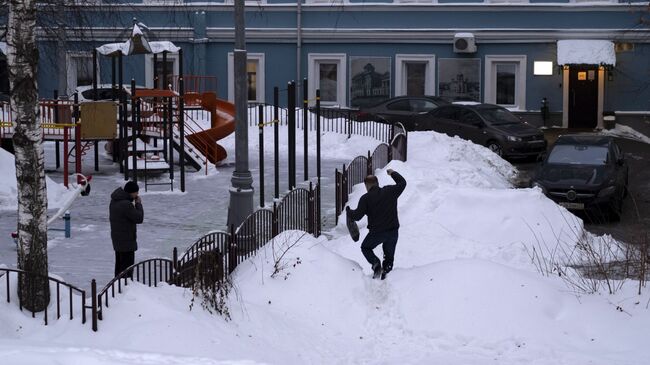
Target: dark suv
(585, 173)
(486, 124)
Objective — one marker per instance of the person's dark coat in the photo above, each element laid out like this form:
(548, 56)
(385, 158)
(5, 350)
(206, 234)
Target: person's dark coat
(124, 215)
(380, 205)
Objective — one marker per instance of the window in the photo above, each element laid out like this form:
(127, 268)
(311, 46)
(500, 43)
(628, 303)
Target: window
(414, 75)
(469, 117)
(402, 105)
(506, 83)
(172, 69)
(445, 113)
(579, 155)
(505, 80)
(254, 77)
(422, 105)
(79, 69)
(327, 72)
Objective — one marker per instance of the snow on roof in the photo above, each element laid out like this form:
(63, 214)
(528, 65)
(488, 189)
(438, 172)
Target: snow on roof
(136, 30)
(464, 35)
(3, 47)
(110, 49)
(128, 48)
(587, 52)
(137, 44)
(161, 46)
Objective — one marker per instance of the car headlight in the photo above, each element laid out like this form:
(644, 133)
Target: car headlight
(513, 139)
(540, 186)
(607, 191)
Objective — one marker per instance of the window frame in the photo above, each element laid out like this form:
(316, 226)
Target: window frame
(261, 75)
(490, 96)
(69, 56)
(400, 73)
(149, 66)
(314, 59)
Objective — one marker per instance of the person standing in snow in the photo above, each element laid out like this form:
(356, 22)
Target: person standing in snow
(380, 205)
(125, 212)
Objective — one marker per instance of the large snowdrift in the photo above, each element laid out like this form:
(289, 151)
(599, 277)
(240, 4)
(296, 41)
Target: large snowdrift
(57, 194)
(463, 291)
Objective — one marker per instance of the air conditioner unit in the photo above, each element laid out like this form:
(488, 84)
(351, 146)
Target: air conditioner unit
(464, 43)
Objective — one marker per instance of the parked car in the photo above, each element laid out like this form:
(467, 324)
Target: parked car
(486, 124)
(402, 109)
(585, 172)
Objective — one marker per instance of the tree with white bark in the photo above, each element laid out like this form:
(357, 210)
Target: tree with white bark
(22, 60)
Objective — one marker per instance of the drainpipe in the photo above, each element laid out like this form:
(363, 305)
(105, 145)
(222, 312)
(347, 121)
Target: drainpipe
(299, 43)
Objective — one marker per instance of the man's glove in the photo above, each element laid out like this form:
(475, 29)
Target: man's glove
(390, 171)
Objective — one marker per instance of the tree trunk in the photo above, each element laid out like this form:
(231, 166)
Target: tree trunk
(22, 61)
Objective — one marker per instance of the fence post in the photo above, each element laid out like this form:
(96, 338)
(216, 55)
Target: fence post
(274, 220)
(311, 211)
(174, 265)
(232, 250)
(318, 212)
(134, 112)
(291, 109)
(369, 164)
(77, 138)
(276, 142)
(305, 126)
(93, 303)
(337, 198)
(260, 118)
(318, 111)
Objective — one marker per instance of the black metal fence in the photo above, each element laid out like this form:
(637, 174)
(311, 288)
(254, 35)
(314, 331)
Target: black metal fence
(60, 292)
(361, 166)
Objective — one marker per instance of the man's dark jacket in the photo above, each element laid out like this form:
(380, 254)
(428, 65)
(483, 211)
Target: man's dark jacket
(380, 204)
(124, 216)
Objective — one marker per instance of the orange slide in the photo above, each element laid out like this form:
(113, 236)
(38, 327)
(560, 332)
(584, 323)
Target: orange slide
(222, 124)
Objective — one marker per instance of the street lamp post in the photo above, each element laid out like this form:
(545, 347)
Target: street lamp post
(241, 192)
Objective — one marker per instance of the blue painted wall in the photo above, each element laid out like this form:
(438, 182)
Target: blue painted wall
(629, 88)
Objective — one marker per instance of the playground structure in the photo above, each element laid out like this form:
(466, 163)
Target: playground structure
(144, 127)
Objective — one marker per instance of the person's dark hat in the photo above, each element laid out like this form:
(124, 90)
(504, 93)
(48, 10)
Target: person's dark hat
(131, 187)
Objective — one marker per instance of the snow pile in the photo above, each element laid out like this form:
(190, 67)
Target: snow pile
(588, 52)
(624, 131)
(57, 194)
(463, 291)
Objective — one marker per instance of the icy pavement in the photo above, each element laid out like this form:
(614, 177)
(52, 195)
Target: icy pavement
(172, 219)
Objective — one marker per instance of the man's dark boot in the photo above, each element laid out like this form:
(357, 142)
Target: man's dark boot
(376, 269)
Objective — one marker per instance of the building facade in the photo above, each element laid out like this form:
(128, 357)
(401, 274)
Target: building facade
(505, 52)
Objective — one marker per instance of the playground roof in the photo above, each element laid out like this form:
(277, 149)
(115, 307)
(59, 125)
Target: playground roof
(137, 44)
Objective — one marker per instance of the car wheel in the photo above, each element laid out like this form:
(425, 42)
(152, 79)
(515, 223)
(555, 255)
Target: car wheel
(495, 147)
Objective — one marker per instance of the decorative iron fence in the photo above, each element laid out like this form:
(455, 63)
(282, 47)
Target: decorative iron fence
(57, 290)
(361, 166)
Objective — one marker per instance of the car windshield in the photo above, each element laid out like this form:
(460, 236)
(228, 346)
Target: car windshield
(578, 155)
(498, 116)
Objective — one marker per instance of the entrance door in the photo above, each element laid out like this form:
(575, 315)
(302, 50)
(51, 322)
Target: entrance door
(583, 97)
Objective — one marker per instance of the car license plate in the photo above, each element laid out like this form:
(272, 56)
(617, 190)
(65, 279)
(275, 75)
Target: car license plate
(575, 206)
(536, 142)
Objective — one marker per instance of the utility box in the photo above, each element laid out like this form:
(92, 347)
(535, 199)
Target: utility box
(609, 120)
(99, 120)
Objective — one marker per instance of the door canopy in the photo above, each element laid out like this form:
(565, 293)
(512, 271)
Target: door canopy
(586, 52)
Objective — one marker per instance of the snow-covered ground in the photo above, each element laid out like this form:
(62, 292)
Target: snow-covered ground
(463, 291)
(171, 219)
(624, 131)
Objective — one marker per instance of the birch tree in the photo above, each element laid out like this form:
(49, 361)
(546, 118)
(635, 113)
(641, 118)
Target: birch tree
(22, 60)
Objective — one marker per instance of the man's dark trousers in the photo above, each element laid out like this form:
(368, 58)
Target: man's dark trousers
(123, 260)
(374, 239)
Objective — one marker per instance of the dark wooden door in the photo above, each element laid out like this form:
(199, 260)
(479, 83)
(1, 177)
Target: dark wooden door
(583, 97)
